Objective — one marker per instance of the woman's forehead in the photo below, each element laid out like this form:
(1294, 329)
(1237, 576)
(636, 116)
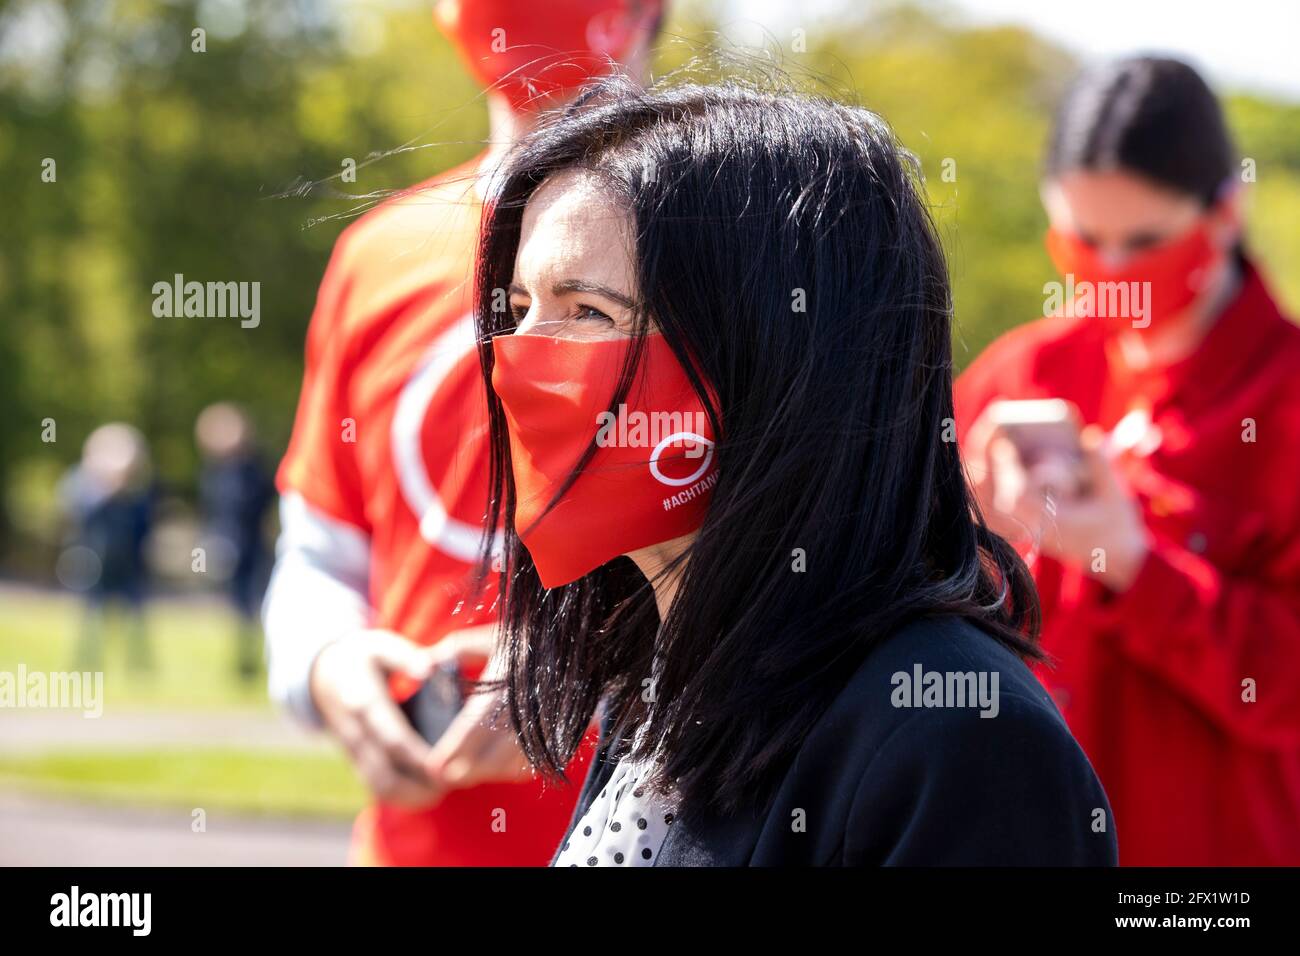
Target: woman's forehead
(573, 226)
(1115, 202)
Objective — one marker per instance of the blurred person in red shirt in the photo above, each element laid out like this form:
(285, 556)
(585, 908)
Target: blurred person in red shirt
(384, 483)
(1165, 536)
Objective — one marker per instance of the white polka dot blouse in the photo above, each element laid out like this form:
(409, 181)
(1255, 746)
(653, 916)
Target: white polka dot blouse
(625, 825)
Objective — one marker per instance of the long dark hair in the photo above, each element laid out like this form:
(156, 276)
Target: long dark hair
(784, 251)
(1149, 115)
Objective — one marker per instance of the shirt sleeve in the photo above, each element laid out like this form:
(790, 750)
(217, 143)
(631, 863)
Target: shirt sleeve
(316, 595)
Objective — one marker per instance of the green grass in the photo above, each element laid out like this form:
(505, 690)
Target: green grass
(287, 784)
(193, 647)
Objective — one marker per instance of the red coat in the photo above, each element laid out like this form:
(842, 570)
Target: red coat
(1185, 689)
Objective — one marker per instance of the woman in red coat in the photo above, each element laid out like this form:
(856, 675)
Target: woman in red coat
(1165, 534)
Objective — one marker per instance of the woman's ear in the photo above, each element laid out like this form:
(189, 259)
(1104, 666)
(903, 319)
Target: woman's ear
(1225, 216)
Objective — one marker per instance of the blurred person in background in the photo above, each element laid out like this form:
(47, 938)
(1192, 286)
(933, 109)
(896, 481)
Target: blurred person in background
(234, 493)
(1166, 530)
(109, 500)
(385, 480)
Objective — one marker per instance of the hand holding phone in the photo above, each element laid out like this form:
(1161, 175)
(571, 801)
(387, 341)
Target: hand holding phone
(1045, 434)
(433, 707)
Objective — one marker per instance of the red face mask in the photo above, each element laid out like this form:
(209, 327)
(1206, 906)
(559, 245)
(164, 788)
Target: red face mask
(1148, 289)
(653, 471)
(529, 52)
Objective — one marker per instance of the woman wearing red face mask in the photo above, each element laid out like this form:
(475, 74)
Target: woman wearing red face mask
(1165, 533)
(731, 527)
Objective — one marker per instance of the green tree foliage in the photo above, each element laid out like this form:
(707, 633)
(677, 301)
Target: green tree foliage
(169, 160)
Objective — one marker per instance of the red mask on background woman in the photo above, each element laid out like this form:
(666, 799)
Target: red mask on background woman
(652, 473)
(530, 51)
(1152, 286)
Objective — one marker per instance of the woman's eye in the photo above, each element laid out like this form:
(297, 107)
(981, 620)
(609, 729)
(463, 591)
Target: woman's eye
(589, 314)
(517, 312)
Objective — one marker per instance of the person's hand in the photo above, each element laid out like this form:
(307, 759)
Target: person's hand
(349, 684)
(1012, 505)
(474, 749)
(1094, 523)
(1102, 528)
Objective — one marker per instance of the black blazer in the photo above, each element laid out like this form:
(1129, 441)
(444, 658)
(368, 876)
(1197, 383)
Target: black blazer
(875, 783)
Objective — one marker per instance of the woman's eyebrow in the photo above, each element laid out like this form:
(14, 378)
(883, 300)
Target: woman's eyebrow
(593, 288)
(566, 286)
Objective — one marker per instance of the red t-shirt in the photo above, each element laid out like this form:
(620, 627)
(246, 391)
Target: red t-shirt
(1184, 690)
(391, 438)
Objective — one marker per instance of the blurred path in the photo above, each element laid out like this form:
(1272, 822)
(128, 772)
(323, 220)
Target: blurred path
(33, 731)
(40, 831)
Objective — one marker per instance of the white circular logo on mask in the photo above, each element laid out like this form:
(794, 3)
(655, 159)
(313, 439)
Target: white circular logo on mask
(681, 436)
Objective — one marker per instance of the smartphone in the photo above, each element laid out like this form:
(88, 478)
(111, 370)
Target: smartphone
(432, 708)
(1046, 435)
